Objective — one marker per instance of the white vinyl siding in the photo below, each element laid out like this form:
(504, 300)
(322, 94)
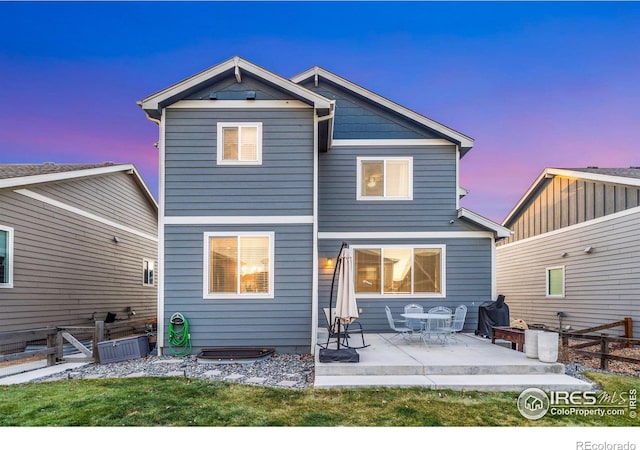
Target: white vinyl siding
(6, 257)
(385, 178)
(239, 143)
(555, 281)
(391, 270)
(238, 265)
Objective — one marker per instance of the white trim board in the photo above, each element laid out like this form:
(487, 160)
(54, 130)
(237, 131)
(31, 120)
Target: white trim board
(390, 142)
(86, 214)
(237, 220)
(243, 104)
(10, 248)
(577, 226)
(404, 235)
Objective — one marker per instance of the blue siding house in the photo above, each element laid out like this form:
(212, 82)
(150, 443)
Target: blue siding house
(262, 178)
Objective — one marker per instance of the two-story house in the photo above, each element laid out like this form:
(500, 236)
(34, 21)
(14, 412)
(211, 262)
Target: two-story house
(261, 180)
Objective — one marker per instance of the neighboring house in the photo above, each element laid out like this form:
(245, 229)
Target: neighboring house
(261, 180)
(77, 241)
(575, 249)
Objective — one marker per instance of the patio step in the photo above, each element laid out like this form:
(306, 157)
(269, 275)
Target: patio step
(485, 383)
(471, 363)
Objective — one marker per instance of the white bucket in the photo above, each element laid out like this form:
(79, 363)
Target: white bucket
(548, 346)
(531, 343)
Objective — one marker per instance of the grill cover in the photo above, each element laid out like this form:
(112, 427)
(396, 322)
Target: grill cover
(492, 314)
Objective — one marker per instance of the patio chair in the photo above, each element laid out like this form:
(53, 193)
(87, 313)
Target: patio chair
(396, 325)
(437, 326)
(335, 329)
(416, 325)
(458, 323)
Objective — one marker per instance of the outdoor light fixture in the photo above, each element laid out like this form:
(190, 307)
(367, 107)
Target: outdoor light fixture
(563, 254)
(115, 239)
(328, 262)
(588, 249)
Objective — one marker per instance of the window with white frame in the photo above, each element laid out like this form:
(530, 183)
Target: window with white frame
(148, 272)
(239, 143)
(400, 270)
(555, 281)
(238, 265)
(388, 178)
(6, 257)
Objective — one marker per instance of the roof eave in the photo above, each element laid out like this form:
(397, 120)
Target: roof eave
(500, 231)
(71, 174)
(154, 103)
(464, 142)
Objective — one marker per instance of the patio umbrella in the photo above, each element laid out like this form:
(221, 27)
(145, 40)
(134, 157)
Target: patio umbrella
(346, 305)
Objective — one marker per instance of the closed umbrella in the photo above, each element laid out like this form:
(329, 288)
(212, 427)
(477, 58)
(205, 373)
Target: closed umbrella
(346, 306)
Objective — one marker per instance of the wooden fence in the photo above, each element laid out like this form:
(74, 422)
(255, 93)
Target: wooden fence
(76, 336)
(603, 340)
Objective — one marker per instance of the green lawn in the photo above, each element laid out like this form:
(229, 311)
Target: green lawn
(173, 402)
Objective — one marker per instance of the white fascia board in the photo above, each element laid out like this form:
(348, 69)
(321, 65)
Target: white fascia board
(550, 172)
(501, 232)
(153, 101)
(463, 140)
(71, 174)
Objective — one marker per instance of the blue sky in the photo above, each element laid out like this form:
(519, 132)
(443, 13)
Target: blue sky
(536, 84)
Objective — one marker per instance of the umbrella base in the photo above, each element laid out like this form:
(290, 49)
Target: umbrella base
(339, 355)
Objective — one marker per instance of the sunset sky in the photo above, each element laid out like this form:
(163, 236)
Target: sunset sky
(536, 84)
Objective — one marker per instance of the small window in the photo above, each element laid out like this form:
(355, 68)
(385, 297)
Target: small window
(148, 272)
(399, 270)
(238, 265)
(385, 179)
(239, 143)
(555, 281)
(6, 257)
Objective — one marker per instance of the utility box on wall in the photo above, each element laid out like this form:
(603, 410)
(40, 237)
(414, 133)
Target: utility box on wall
(123, 349)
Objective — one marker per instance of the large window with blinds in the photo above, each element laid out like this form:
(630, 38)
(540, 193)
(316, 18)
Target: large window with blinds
(6, 257)
(400, 270)
(239, 143)
(238, 265)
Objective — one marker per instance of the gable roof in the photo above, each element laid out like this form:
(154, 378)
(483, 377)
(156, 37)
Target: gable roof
(629, 176)
(153, 104)
(465, 142)
(14, 175)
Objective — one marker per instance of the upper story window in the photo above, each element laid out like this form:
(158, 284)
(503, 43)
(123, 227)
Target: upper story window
(400, 270)
(239, 143)
(6, 257)
(238, 265)
(555, 281)
(385, 178)
(148, 273)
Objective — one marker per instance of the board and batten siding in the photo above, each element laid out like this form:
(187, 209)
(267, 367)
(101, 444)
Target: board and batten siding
(283, 322)
(196, 186)
(434, 192)
(600, 287)
(67, 270)
(468, 278)
(563, 202)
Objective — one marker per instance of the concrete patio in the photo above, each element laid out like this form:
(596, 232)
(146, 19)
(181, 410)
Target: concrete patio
(472, 363)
